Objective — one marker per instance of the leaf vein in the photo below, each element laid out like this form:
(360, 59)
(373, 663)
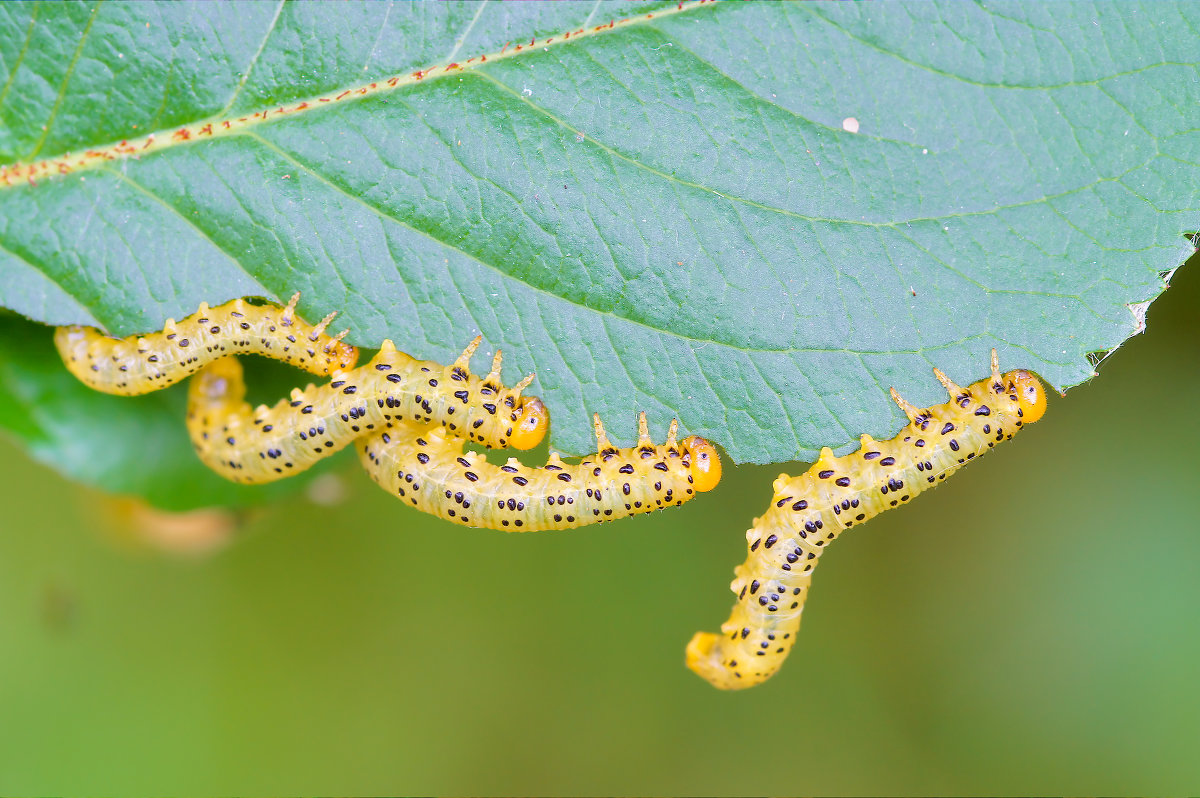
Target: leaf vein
(62, 88)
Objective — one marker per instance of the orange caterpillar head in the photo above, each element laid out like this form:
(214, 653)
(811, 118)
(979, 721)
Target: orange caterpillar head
(1028, 392)
(705, 463)
(1021, 387)
(531, 425)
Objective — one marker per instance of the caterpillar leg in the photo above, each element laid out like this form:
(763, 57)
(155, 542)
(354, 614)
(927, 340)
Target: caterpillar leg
(915, 414)
(464, 360)
(140, 364)
(955, 390)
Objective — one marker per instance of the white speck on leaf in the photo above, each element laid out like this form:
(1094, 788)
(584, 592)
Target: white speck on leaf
(850, 124)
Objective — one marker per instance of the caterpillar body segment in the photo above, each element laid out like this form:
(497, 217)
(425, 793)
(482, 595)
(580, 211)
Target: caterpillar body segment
(256, 445)
(809, 511)
(140, 364)
(428, 469)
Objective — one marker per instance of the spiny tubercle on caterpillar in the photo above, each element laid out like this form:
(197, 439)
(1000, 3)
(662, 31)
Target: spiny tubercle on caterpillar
(143, 363)
(255, 445)
(429, 470)
(811, 510)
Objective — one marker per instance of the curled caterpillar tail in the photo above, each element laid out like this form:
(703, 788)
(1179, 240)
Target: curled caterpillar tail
(256, 445)
(140, 364)
(428, 469)
(809, 511)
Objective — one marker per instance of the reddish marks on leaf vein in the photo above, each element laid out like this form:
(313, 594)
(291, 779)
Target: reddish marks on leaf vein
(17, 173)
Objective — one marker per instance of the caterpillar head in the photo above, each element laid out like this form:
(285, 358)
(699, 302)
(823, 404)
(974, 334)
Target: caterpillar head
(705, 463)
(1028, 392)
(531, 425)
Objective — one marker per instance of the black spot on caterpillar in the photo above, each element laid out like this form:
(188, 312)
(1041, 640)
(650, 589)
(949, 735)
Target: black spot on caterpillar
(144, 363)
(255, 445)
(809, 511)
(428, 469)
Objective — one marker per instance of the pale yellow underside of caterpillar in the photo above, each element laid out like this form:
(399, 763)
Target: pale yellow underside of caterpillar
(429, 470)
(143, 363)
(256, 445)
(811, 510)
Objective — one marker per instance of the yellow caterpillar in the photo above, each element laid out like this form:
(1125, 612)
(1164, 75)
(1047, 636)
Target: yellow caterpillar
(811, 510)
(415, 418)
(140, 364)
(429, 470)
(254, 445)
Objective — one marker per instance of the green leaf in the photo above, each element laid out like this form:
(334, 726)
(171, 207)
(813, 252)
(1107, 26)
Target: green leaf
(669, 213)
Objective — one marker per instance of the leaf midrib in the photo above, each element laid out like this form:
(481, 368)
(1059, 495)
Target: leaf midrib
(163, 139)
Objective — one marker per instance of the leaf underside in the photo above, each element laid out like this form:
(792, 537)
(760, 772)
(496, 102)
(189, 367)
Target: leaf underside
(670, 214)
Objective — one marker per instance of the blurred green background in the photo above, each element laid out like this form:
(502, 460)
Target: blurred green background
(1031, 627)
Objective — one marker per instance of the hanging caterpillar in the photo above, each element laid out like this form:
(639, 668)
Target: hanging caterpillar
(140, 364)
(429, 470)
(811, 510)
(255, 445)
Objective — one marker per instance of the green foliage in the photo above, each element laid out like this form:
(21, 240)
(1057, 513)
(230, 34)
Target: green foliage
(670, 215)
